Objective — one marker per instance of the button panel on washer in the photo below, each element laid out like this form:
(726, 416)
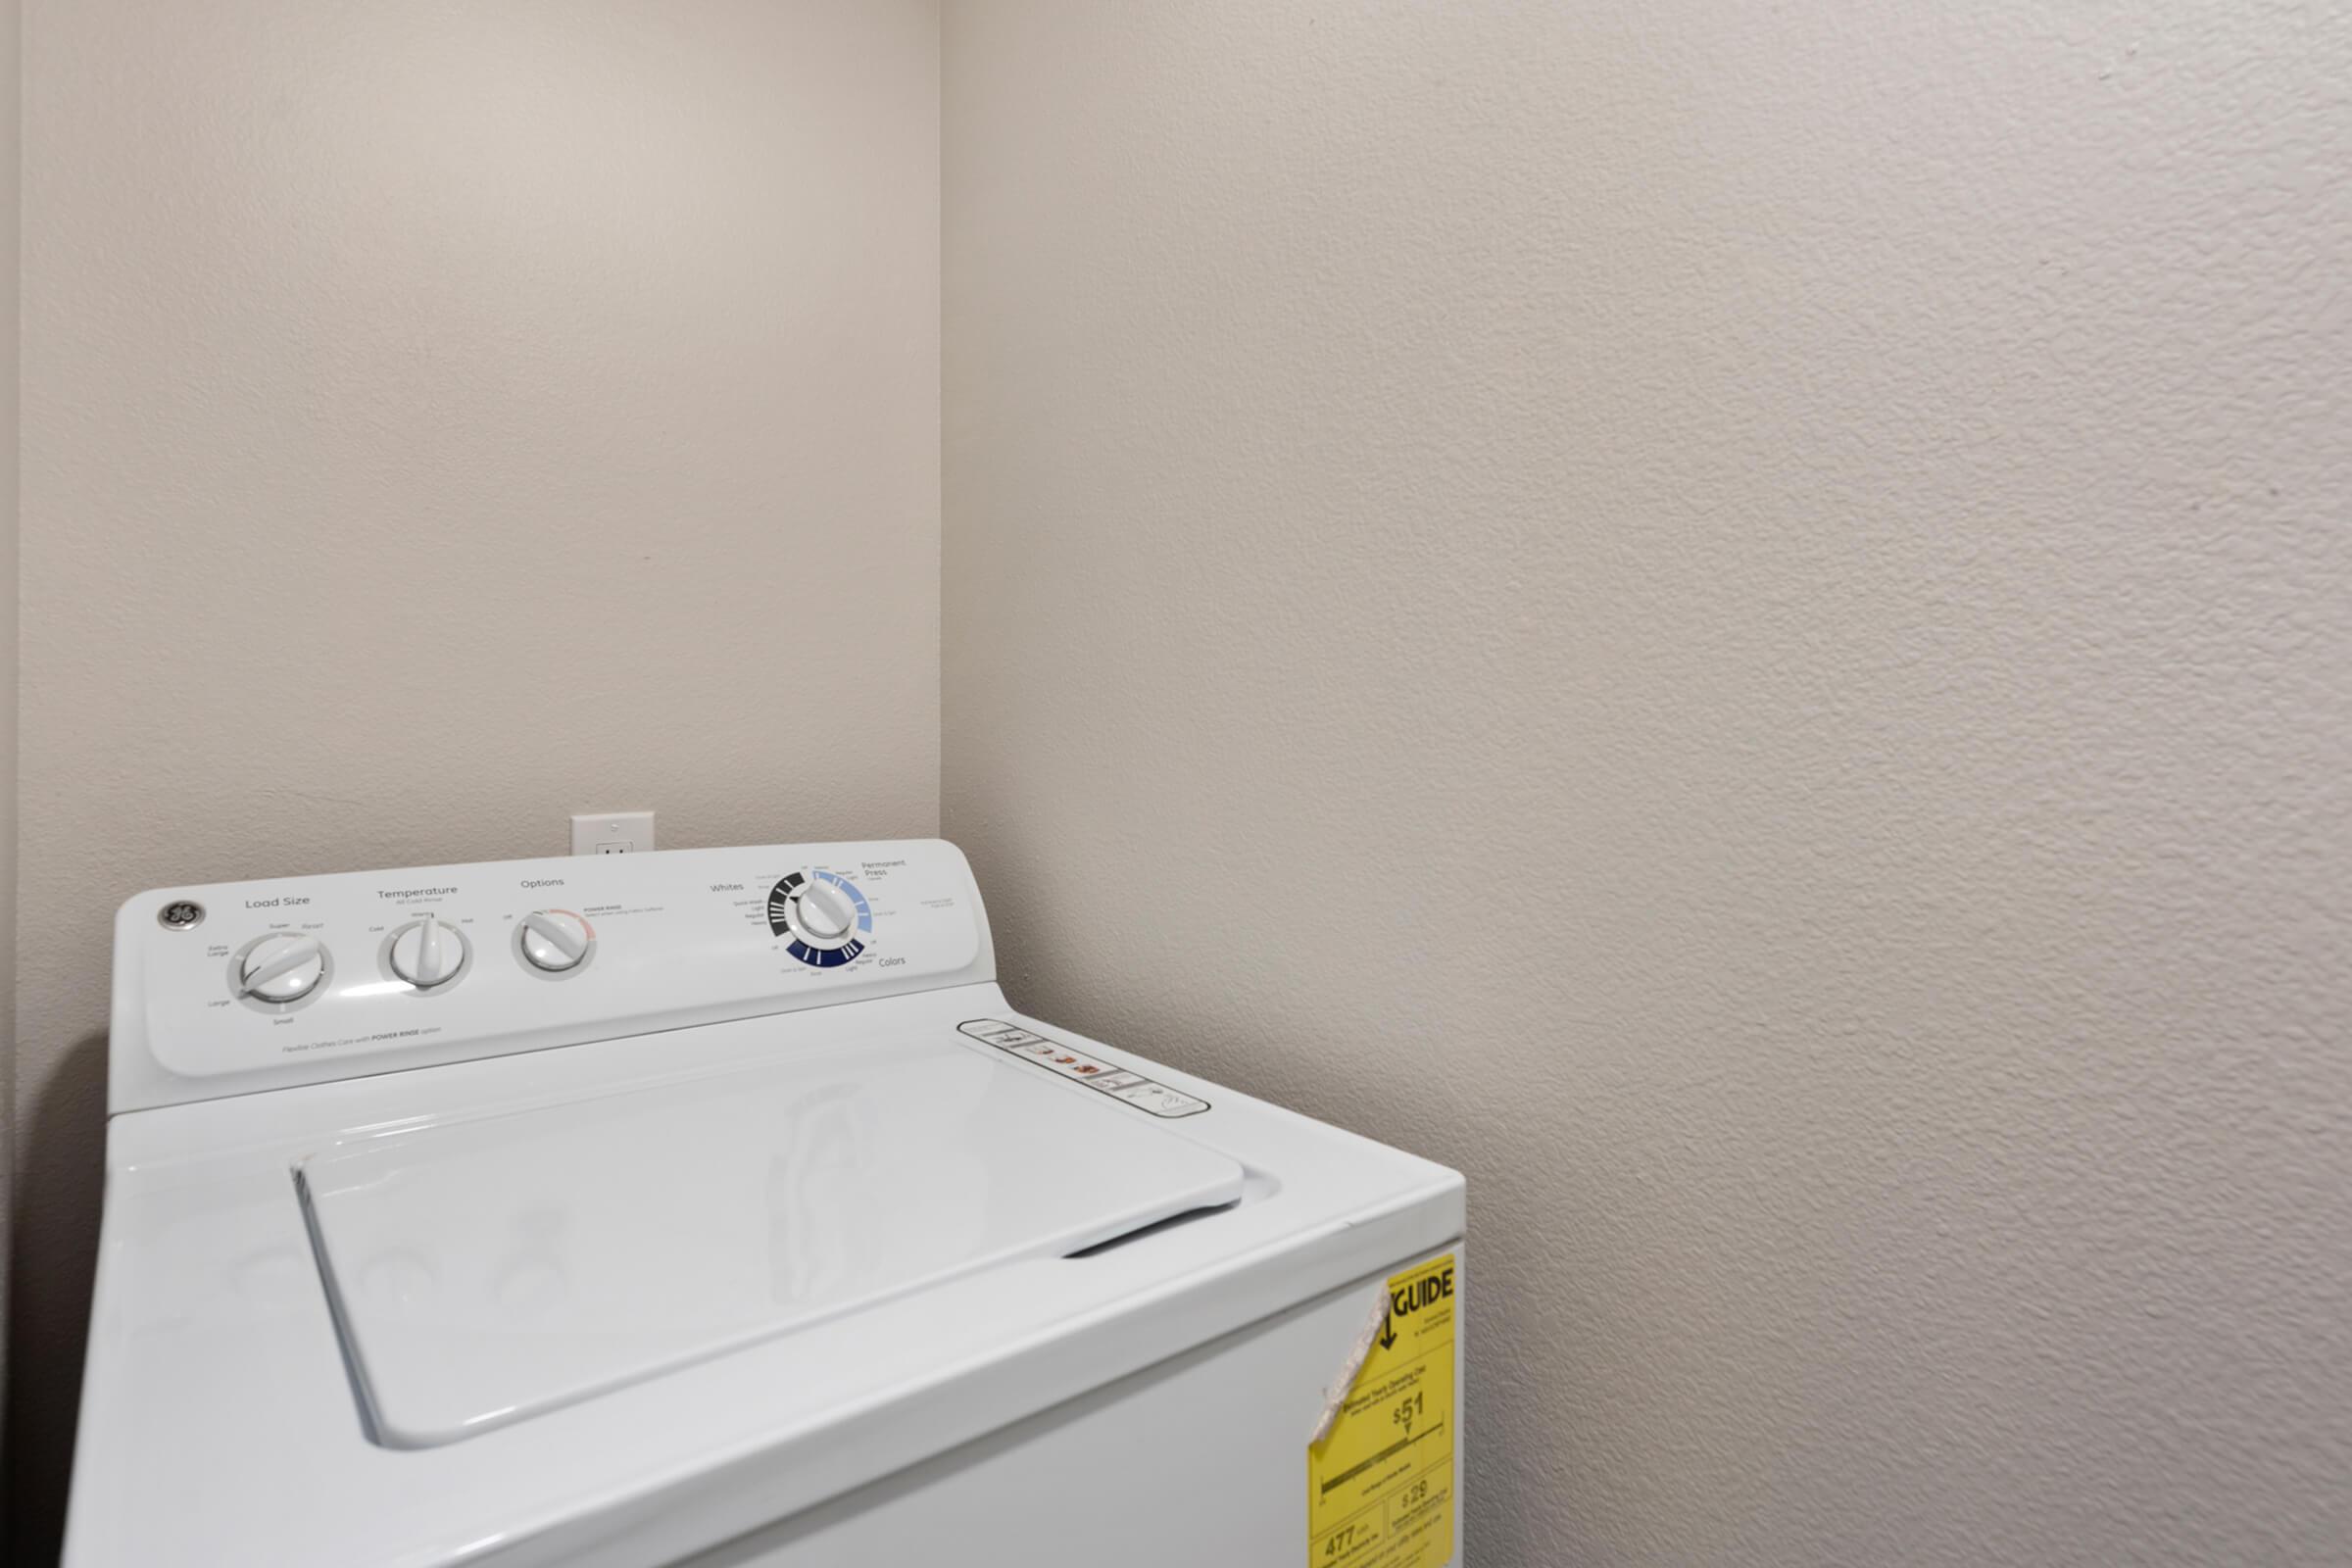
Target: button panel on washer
(1053, 1055)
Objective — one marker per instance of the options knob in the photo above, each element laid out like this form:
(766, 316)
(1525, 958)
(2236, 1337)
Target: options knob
(282, 969)
(428, 952)
(554, 940)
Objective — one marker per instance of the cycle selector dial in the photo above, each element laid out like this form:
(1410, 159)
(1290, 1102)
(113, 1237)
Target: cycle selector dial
(822, 917)
(556, 941)
(428, 952)
(281, 969)
(826, 911)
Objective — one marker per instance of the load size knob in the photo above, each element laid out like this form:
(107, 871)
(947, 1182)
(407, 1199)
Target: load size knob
(428, 952)
(283, 968)
(554, 941)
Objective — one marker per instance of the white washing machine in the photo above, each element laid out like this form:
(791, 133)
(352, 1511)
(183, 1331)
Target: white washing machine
(714, 1207)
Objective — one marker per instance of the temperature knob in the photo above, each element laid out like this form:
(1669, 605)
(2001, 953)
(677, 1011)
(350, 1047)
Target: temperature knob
(555, 940)
(282, 969)
(428, 954)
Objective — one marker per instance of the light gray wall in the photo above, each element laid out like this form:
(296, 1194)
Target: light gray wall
(1740, 621)
(11, 103)
(440, 418)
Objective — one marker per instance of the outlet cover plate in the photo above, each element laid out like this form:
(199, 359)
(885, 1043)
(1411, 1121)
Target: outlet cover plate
(612, 832)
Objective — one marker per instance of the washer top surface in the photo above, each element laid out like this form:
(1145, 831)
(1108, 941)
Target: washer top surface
(493, 1269)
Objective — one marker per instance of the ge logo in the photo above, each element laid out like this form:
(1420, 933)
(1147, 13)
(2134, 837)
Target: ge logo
(181, 914)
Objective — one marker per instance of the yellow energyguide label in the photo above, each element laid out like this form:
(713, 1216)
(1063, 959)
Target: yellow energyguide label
(1380, 1485)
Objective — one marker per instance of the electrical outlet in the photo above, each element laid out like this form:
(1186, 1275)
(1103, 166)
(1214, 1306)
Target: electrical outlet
(612, 832)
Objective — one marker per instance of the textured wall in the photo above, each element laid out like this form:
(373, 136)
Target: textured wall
(440, 417)
(1740, 621)
(10, 164)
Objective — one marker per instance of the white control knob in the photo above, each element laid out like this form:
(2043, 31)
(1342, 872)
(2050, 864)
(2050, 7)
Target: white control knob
(825, 911)
(428, 954)
(554, 940)
(282, 969)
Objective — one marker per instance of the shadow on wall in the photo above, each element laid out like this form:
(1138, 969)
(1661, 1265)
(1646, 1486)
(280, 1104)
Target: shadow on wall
(61, 1174)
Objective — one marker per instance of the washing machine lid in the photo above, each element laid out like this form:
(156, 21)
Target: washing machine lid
(486, 1270)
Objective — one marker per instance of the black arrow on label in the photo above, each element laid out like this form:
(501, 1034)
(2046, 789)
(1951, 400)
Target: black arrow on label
(1388, 1329)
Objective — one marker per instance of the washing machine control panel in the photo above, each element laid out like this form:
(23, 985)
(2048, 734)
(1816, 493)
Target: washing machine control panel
(235, 987)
